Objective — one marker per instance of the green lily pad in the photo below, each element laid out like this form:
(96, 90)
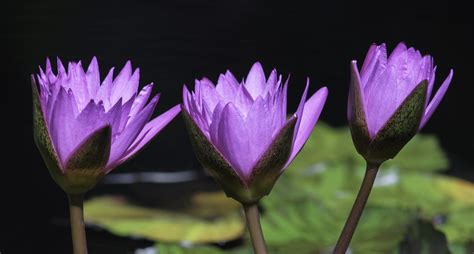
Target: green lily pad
(194, 225)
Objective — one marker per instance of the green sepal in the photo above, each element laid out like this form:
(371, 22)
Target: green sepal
(266, 171)
(213, 161)
(41, 136)
(85, 167)
(400, 128)
(356, 113)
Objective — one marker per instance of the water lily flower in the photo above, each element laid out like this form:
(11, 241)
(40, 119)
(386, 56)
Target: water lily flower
(241, 133)
(390, 100)
(84, 129)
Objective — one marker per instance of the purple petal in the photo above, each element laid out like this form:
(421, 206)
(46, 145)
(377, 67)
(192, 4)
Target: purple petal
(233, 141)
(186, 99)
(231, 79)
(312, 111)
(370, 59)
(226, 88)
(120, 87)
(243, 100)
(436, 99)
(431, 82)
(399, 49)
(260, 129)
(122, 142)
(93, 78)
(272, 83)
(374, 68)
(255, 82)
(208, 93)
(62, 126)
(61, 69)
(92, 117)
(103, 94)
(78, 84)
(356, 76)
(386, 95)
(213, 134)
(299, 111)
(114, 117)
(150, 130)
(141, 100)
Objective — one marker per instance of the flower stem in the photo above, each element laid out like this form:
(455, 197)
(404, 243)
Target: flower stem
(79, 242)
(357, 209)
(253, 223)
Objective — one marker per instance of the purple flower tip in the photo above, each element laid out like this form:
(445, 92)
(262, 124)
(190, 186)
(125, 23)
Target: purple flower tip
(76, 103)
(242, 119)
(386, 82)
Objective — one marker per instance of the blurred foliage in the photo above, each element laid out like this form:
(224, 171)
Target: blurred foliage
(412, 209)
(211, 217)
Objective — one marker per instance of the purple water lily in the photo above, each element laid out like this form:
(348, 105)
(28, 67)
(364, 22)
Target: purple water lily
(83, 124)
(391, 92)
(246, 129)
(389, 102)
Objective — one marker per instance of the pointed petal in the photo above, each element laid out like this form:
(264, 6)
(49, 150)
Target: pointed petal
(120, 87)
(114, 117)
(93, 77)
(123, 141)
(105, 89)
(226, 88)
(259, 127)
(141, 100)
(208, 93)
(431, 82)
(255, 82)
(78, 84)
(272, 83)
(61, 69)
(312, 111)
(373, 69)
(234, 142)
(370, 59)
(436, 99)
(399, 49)
(62, 127)
(150, 130)
(299, 111)
(186, 99)
(243, 100)
(214, 127)
(231, 79)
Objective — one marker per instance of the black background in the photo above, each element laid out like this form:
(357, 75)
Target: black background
(174, 42)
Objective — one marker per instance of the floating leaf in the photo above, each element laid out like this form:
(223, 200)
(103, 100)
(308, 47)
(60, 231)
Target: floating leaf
(197, 225)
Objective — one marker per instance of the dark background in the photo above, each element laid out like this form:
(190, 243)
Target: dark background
(174, 42)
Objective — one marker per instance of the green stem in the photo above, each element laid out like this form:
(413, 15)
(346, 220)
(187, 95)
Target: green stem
(357, 209)
(253, 223)
(79, 242)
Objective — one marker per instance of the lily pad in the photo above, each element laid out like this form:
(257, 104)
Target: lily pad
(200, 223)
